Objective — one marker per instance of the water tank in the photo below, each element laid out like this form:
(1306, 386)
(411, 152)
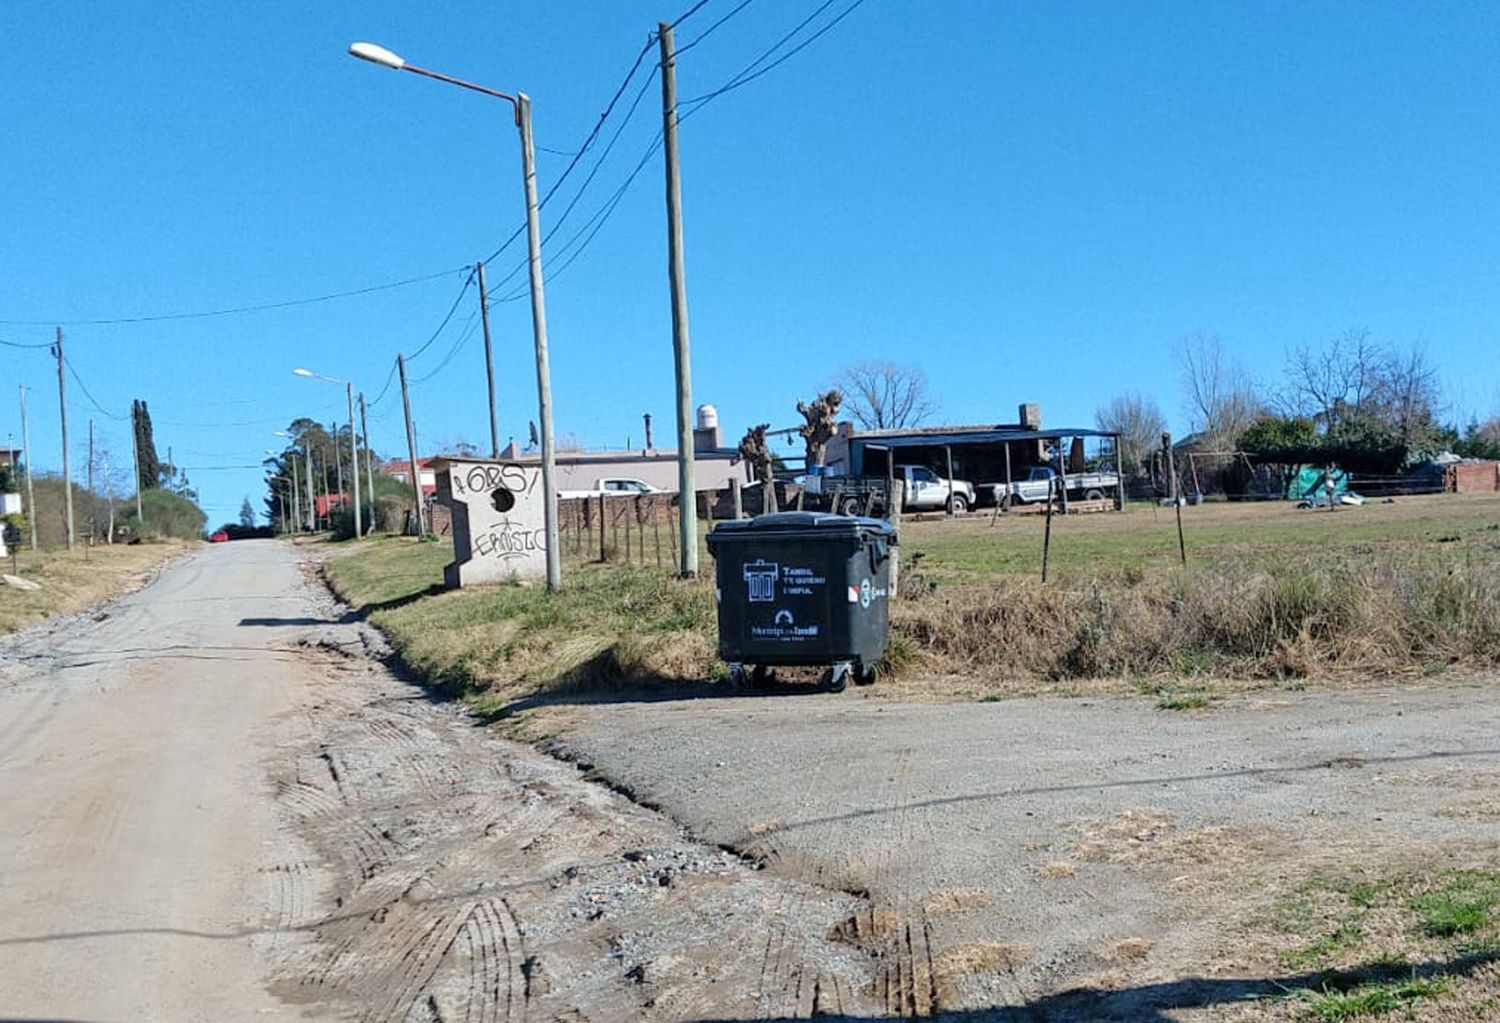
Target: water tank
(708, 417)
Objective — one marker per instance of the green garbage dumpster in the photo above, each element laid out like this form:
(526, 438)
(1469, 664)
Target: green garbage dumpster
(803, 589)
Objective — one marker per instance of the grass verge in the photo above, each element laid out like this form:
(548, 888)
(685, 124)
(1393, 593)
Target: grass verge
(612, 628)
(1422, 945)
(1285, 597)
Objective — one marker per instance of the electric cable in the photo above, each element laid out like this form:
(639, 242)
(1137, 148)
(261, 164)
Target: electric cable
(238, 309)
(749, 73)
(89, 394)
(710, 30)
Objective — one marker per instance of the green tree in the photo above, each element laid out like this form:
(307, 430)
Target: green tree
(247, 513)
(150, 474)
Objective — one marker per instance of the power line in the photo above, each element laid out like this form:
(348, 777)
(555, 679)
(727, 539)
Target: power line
(238, 309)
(23, 344)
(457, 345)
(710, 30)
(585, 235)
(598, 164)
(690, 12)
(89, 395)
(749, 73)
(451, 310)
(587, 142)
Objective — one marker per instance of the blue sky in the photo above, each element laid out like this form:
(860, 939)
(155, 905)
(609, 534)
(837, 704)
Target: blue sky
(1031, 201)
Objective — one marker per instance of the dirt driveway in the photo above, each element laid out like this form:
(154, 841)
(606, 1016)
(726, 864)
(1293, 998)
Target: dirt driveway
(1015, 850)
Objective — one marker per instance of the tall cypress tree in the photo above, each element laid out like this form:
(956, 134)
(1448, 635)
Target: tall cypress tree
(149, 471)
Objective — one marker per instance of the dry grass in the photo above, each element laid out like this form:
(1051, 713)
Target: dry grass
(1273, 597)
(956, 901)
(1153, 836)
(1054, 870)
(73, 581)
(1131, 949)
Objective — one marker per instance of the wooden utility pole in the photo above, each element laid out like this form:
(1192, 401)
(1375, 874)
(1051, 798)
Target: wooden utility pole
(26, 454)
(62, 404)
(135, 459)
(687, 493)
(364, 428)
(90, 488)
(411, 449)
(489, 361)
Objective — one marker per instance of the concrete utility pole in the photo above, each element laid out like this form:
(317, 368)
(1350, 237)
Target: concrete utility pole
(364, 428)
(489, 361)
(296, 496)
(411, 449)
(62, 403)
(312, 508)
(686, 492)
(26, 454)
(539, 333)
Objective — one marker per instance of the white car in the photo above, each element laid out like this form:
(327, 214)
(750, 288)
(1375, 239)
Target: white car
(614, 486)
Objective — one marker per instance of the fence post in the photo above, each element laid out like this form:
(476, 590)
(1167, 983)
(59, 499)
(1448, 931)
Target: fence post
(1166, 446)
(656, 529)
(737, 498)
(603, 546)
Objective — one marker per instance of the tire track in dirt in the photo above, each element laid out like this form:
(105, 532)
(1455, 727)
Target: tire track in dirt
(435, 872)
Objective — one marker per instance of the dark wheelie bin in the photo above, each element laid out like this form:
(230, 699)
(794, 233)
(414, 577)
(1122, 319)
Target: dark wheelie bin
(803, 589)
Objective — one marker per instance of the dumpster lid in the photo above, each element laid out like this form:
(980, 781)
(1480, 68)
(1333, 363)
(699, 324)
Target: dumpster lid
(803, 521)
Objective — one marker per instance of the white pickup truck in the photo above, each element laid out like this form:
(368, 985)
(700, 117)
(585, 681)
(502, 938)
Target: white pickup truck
(613, 486)
(926, 490)
(1038, 484)
(859, 495)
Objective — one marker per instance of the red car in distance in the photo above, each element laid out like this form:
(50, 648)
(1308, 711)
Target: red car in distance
(218, 537)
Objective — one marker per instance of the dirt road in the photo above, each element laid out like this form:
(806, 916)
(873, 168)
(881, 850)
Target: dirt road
(218, 806)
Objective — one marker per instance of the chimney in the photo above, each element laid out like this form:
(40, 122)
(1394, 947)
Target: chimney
(647, 418)
(1031, 416)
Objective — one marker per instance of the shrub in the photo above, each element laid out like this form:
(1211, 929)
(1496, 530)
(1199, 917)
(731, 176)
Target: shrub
(166, 515)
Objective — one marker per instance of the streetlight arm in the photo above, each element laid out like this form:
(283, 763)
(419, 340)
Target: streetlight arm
(385, 58)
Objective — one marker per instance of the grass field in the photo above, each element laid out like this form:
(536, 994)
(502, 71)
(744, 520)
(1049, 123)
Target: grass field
(1144, 538)
(72, 581)
(1271, 596)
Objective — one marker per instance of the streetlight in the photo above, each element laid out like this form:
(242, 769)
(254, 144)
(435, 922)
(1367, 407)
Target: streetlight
(353, 439)
(521, 104)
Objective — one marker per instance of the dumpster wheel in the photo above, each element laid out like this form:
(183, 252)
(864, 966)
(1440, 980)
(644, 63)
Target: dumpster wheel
(864, 674)
(836, 677)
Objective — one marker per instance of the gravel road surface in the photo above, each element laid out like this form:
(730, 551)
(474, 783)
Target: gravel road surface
(219, 805)
(1015, 849)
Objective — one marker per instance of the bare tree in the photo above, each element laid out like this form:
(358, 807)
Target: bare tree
(1409, 399)
(1220, 397)
(1335, 382)
(884, 396)
(1138, 421)
(1352, 385)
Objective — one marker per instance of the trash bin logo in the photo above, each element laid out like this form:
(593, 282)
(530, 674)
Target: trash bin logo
(760, 577)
